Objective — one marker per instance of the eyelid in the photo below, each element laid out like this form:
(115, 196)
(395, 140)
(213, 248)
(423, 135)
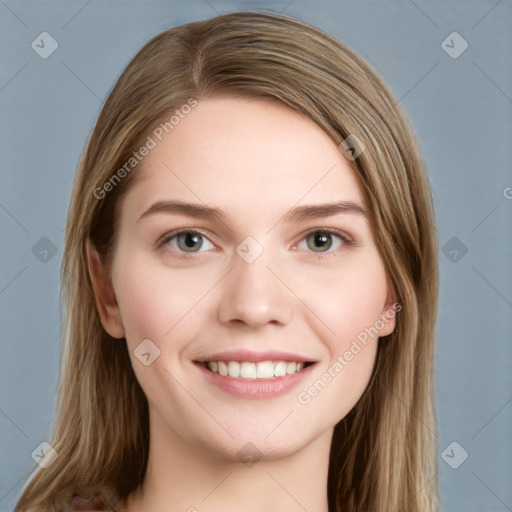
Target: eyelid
(334, 231)
(171, 234)
(347, 239)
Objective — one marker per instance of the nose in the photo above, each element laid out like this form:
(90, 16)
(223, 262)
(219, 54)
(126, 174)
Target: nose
(252, 295)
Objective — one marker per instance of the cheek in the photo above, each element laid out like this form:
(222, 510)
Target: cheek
(143, 303)
(347, 301)
(158, 302)
(162, 305)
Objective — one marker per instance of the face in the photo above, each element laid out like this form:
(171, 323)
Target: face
(245, 249)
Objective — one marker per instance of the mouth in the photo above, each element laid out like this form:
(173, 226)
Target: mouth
(254, 370)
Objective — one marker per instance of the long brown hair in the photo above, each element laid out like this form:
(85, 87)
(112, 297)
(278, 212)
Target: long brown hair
(383, 455)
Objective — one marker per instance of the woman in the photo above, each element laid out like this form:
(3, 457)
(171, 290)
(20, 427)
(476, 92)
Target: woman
(250, 280)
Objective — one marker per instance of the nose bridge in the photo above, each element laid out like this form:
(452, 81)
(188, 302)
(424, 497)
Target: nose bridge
(252, 294)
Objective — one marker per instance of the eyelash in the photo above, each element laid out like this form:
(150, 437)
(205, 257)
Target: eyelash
(184, 256)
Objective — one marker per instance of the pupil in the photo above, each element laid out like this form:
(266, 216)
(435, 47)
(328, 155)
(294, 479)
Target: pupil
(190, 240)
(322, 241)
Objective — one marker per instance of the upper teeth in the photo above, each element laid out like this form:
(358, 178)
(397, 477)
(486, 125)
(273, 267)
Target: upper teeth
(250, 370)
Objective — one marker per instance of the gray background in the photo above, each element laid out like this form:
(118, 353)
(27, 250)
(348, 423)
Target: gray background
(461, 109)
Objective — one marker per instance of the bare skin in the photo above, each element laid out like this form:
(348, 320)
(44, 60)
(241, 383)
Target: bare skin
(308, 294)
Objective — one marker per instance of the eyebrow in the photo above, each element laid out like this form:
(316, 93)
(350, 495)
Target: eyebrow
(296, 214)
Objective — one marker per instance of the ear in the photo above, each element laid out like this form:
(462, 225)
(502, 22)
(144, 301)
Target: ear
(106, 302)
(389, 311)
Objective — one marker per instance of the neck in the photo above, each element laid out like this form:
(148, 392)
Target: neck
(186, 477)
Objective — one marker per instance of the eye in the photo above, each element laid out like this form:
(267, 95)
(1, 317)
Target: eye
(324, 240)
(187, 241)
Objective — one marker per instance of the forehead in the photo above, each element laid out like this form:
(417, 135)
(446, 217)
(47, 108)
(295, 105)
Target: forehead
(240, 153)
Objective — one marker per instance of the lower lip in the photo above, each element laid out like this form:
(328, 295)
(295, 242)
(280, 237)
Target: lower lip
(256, 389)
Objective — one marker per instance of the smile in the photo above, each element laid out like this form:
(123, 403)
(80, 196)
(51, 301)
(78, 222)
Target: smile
(255, 370)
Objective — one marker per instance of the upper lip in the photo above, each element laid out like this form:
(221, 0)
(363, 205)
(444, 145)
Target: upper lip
(255, 356)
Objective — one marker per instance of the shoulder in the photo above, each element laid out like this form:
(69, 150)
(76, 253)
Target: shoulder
(95, 503)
